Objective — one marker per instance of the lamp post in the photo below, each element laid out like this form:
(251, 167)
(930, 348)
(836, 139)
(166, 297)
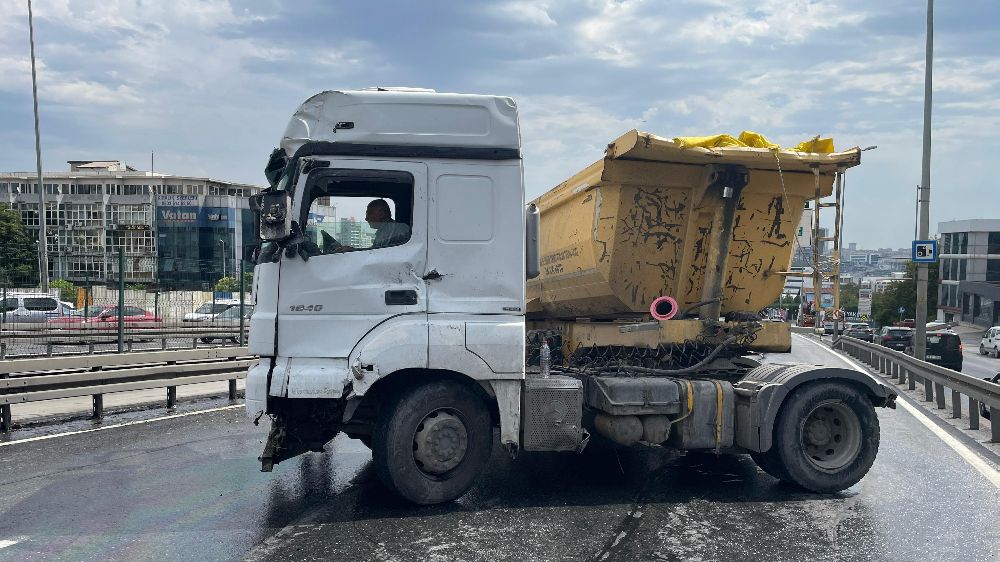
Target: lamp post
(223, 242)
(920, 337)
(43, 252)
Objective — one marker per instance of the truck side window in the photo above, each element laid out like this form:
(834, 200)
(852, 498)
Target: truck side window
(363, 212)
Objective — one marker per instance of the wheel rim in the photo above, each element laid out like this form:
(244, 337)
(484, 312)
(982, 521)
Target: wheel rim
(831, 436)
(440, 442)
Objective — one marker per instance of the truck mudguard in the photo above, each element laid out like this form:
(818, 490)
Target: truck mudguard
(761, 393)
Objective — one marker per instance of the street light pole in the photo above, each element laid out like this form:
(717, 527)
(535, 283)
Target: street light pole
(223, 242)
(43, 251)
(920, 336)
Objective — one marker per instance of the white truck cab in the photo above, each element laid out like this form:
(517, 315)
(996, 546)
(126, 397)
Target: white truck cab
(444, 293)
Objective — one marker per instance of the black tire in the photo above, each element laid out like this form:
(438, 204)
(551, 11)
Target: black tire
(394, 442)
(982, 349)
(851, 443)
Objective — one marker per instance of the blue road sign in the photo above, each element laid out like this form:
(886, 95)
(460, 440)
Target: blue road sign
(924, 251)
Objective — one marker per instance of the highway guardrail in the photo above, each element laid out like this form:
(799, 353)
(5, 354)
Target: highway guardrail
(92, 337)
(32, 380)
(909, 370)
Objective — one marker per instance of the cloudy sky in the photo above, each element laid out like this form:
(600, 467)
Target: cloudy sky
(210, 85)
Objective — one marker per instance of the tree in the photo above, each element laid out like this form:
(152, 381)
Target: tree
(849, 297)
(67, 290)
(886, 305)
(18, 251)
(231, 284)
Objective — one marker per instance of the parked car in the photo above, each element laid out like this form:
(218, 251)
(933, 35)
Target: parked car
(990, 344)
(31, 309)
(230, 319)
(104, 316)
(894, 337)
(860, 331)
(210, 310)
(944, 348)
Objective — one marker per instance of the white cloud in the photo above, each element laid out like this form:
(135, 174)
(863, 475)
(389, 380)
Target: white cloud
(561, 135)
(779, 21)
(525, 11)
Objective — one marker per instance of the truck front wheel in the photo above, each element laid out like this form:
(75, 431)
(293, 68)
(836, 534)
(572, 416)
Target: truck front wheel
(433, 442)
(825, 438)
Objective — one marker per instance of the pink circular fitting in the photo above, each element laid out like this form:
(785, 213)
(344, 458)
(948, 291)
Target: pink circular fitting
(661, 303)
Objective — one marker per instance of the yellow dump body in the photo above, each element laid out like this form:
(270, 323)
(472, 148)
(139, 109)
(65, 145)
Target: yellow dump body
(636, 225)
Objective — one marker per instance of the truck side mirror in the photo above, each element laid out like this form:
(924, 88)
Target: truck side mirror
(275, 219)
(532, 241)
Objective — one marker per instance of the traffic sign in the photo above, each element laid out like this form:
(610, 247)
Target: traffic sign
(901, 310)
(924, 251)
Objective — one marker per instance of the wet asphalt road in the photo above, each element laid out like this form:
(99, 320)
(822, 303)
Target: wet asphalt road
(188, 488)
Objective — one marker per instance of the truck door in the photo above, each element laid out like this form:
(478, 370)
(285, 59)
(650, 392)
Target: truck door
(475, 269)
(363, 273)
(475, 252)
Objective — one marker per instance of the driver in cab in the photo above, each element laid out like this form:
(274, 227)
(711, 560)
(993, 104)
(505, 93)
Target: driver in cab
(388, 232)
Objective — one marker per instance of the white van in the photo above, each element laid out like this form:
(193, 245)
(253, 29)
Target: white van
(210, 310)
(990, 344)
(31, 308)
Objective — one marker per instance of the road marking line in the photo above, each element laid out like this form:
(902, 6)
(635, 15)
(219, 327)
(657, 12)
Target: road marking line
(126, 424)
(6, 543)
(977, 462)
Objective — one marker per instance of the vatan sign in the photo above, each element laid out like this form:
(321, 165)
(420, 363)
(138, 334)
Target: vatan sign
(924, 251)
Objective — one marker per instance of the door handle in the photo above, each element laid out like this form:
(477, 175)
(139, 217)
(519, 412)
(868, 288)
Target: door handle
(400, 298)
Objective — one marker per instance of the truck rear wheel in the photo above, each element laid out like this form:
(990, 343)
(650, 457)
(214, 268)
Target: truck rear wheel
(433, 442)
(825, 438)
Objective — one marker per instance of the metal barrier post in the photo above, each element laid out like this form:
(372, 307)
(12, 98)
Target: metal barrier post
(48, 349)
(912, 382)
(121, 299)
(973, 413)
(939, 391)
(928, 390)
(171, 396)
(241, 341)
(4, 413)
(956, 404)
(163, 344)
(994, 424)
(232, 389)
(98, 406)
(894, 369)
(5, 418)
(3, 350)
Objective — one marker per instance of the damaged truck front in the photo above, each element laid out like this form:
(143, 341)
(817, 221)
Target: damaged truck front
(414, 331)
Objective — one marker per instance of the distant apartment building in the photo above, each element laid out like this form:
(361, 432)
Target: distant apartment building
(969, 271)
(175, 231)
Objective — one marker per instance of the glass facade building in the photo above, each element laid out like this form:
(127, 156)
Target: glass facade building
(969, 269)
(176, 232)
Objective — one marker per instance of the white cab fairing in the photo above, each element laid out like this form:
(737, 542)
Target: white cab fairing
(402, 118)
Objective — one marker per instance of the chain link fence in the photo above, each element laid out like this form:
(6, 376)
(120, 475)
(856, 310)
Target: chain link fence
(114, 315)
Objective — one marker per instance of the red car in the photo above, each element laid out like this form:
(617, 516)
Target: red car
(105, 316)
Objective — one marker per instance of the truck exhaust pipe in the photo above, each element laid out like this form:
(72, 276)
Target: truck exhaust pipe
(663, 308)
